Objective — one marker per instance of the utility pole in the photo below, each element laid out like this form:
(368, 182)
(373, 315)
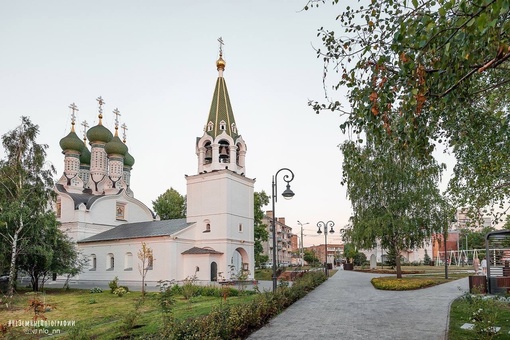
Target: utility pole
(302, 249)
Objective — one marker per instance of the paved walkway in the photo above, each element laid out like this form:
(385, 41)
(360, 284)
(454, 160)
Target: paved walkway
(348, 307)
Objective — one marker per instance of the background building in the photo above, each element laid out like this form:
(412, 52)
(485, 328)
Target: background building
(283, 240)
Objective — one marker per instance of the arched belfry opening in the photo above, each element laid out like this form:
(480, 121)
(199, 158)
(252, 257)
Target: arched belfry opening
(224, 148)
(208, 153)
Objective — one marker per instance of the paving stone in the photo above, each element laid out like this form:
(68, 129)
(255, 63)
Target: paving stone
(347, 306)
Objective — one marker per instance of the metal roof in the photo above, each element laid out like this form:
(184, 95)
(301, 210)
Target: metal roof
(140, 230)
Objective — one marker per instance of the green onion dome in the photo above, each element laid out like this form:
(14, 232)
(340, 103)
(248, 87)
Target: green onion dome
(72, 142)
(99, 133)
(129, 160)
(115, 146)
(85, 155)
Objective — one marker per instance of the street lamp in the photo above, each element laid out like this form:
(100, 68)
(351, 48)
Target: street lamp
(287, 194)
(445, 236)
(329, 224)
(302, 252)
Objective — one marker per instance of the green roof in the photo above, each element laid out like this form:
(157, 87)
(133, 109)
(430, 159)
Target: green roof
(71, 142)
(221, 110)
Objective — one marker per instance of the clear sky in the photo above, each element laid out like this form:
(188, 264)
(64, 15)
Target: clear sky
(155, 62)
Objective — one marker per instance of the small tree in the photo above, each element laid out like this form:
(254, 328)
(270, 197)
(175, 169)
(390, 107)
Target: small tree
(25, 189)
(145, 255)
(310, 257)
(349, 252)
(426, 258)
(170, 205)
(259, 228)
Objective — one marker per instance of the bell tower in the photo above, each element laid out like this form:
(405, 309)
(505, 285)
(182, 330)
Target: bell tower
(220, 197)
(221, 146)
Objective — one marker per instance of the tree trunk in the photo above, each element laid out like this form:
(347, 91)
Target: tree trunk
(14, 255)
(397, 264)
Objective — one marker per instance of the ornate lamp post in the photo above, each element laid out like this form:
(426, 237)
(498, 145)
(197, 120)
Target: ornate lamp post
(329, 224)
(287, 194)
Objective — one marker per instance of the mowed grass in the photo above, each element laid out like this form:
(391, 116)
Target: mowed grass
(101, 315)
(461, 312)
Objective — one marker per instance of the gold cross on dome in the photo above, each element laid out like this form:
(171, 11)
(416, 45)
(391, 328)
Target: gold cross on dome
(220, 40)
(85, 127)
(116, 112)
(124, 128)
(73, 115)
(101, 103)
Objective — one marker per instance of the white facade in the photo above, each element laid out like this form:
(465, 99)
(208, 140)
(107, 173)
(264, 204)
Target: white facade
(97, 208)
(411, 255)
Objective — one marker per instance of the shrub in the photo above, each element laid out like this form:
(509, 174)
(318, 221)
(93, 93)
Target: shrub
(96, 290)
(236, 322)
(114, 284)
(120, 291)
(483, 315)
(407, 283)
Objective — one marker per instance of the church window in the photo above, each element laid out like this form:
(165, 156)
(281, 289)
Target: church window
(120, 211)
(233, 128)
(223, 125)
(210, 126)
(93, 262)
(110, 261)
(128, 261)
(207, 228)
(240, 227)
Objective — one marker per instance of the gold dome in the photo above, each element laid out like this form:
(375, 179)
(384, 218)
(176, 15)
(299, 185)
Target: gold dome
(220, 63)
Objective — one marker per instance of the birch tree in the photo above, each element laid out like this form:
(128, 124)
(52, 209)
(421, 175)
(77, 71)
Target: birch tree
(25, 190)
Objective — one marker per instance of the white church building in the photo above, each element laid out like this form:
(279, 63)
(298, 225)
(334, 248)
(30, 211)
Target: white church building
(97, 208)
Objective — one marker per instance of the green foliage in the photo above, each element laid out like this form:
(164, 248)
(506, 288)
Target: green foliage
(407, 283)
(359, 259)
(483, 313)
(237, 321)
(120, 291)
(349, 251)
(129, 319)
(114, 284)
(394, 196)
(426, 258)
(479, 310)
(26, 187)
(260, 231)
(96, 290)
(146, 257)
(170, 205)
(310, 258)
(427, 74)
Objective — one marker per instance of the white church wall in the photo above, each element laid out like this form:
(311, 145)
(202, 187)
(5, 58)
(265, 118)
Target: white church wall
(164, 263)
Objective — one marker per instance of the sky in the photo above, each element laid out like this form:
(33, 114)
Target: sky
(155, 61)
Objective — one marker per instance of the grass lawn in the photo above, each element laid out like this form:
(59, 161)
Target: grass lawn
(100, 315)
(462, 312)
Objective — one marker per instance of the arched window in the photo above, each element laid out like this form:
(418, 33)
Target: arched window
(223, 125)
(93, 262)
(128, 261)
(207, 228)
(210, 126)
(110, 261)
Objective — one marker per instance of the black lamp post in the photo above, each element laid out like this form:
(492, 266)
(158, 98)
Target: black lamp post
(287, 194)
(329, 224)
(445, 236)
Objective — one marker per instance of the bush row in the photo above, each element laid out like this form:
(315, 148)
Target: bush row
(237, 321)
